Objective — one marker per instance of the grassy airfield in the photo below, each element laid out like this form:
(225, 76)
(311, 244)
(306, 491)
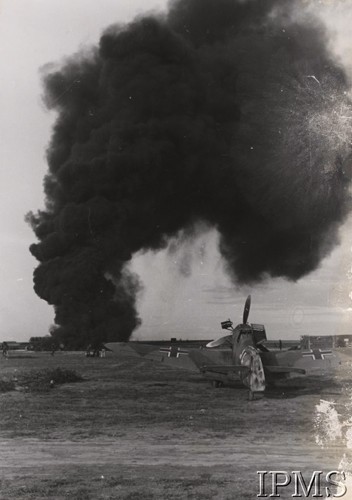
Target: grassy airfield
(132, 429)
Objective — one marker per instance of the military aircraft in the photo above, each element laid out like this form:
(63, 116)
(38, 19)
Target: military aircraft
(242, 355)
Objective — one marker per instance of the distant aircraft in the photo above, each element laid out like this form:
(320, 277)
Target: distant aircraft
(242, 355)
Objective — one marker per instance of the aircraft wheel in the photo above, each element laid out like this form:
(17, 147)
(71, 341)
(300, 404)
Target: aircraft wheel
(255, 395)
(217, 384)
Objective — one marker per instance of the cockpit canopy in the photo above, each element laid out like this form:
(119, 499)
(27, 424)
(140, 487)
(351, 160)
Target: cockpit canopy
(259, 333)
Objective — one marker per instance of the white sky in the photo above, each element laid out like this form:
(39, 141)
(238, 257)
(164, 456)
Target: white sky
(35, 32)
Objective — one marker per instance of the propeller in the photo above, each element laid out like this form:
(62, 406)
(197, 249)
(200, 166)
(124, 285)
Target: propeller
(247, 307)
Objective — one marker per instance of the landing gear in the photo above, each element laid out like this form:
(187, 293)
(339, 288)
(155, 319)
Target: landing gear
(252, 395)
(217, 384)
(255, 378)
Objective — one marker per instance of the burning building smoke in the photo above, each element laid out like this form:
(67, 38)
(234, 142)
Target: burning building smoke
(230, 113)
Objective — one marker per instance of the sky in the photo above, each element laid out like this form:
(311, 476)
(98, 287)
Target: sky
(34, 33)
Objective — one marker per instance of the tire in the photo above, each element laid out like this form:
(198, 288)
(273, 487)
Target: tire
(217, 384)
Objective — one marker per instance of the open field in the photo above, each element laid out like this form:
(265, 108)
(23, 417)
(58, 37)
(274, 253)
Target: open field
(137, 430)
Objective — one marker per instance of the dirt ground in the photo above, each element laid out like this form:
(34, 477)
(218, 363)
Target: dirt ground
(137, 430)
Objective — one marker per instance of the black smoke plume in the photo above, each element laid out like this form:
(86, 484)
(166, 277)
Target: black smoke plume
(226, 112)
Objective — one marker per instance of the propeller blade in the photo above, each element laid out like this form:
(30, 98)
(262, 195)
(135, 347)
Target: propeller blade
(247, 307)
(221, 341)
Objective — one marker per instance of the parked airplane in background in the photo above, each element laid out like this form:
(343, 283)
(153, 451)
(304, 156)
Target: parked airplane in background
(242, 355)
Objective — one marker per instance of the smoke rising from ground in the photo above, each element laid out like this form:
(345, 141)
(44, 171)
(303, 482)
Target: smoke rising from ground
(224, 113)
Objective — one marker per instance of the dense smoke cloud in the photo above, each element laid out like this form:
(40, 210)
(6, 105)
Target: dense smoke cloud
(226, 112)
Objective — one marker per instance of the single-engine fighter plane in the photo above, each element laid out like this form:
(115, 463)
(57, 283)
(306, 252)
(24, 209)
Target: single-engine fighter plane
(242, 355)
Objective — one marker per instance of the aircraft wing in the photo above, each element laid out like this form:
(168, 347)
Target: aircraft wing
(124, 349)
(173, 356)
(224, 368)
(284, 369)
